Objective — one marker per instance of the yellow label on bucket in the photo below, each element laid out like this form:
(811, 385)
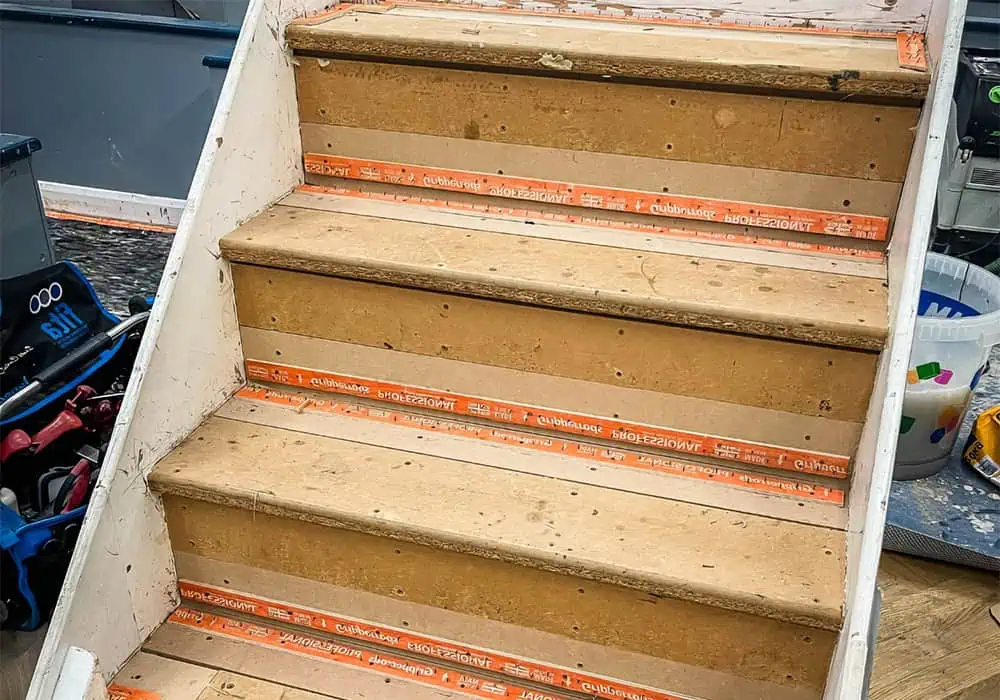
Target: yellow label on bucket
(982, 451)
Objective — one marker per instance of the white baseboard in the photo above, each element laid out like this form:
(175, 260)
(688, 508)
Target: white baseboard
(109, 206)
(80, 677)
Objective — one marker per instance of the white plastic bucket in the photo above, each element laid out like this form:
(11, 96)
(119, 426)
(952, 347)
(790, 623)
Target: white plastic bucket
(958, 322)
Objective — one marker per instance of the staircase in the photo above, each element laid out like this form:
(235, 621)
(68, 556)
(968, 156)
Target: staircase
(557, 364)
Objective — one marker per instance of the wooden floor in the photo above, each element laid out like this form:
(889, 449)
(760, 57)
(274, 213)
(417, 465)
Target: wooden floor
(937, 637)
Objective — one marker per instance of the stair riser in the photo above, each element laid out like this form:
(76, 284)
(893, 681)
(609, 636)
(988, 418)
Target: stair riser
(339, 652)
(397, 652)
(609, 170)
(627, 208)
(604, 613)
(720, 435)
(810, 380)
(776, 133)
(311, 605)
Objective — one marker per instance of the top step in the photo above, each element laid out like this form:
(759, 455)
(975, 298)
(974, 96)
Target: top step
(841, 64)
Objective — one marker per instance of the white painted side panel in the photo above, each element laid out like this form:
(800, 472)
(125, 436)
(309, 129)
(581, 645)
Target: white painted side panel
(877, 450)
(121, 582)
(80, 678)
(110, 204)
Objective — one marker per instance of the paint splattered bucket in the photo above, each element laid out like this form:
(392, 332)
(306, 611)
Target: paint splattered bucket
(958, 321)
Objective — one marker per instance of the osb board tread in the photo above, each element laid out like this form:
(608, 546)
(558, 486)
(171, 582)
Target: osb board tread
(483, 633)
(702, 636)
(822, 64)
(824, 137)
(767, 567)
(724, 182)
(754, 299)
(174, 679)
(413, 365)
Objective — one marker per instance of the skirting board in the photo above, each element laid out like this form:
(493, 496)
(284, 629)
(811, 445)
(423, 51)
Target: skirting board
(111, 207)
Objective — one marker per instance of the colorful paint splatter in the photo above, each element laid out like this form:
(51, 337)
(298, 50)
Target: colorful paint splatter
(946, 422)
(929, 370)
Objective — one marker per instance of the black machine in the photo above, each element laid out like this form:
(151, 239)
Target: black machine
(968, 202)
(977, 100)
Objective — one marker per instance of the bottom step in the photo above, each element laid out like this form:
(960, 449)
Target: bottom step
(301, 637)
(152, 677)
(149, 676)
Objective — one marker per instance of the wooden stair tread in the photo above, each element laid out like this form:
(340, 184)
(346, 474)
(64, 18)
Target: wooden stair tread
(736, 488)
(740, 562)
(739, 297)
(165, 678)
(182, 662)
(762, 59)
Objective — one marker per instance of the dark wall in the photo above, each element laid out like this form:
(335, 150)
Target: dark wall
(119, 101)
(229, 11)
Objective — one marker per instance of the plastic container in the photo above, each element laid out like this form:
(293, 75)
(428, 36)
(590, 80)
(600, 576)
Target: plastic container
(958, 321)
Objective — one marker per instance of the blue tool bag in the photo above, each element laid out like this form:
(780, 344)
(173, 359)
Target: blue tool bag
(35, 557)
(44, 315)
(66, 362)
